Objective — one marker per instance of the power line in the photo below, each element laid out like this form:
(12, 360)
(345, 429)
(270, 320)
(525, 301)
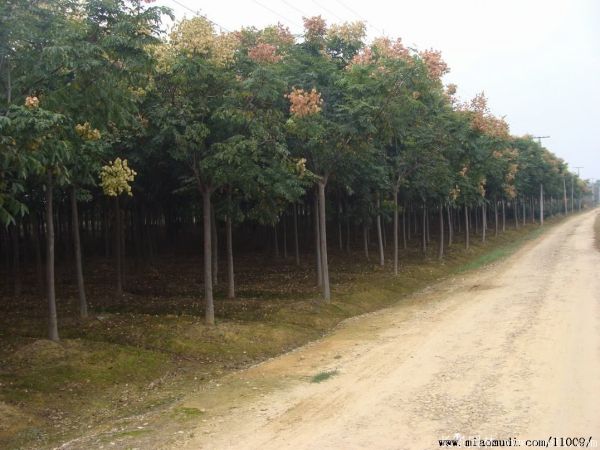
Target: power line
(295, 8)
(328, 11)
(539, 138)
(291, 22)
(197, 13)
(360, 17)
(349, 9)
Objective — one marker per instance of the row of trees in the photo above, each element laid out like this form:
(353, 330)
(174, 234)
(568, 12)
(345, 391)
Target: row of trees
(252, 127)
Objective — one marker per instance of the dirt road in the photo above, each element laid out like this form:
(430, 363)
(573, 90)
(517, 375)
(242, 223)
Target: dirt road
(512, 350)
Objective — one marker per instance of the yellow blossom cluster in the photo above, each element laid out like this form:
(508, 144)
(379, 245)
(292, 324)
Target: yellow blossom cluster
(496, 127)
(86, 132)
(454, 193)
(552, 161)
(264, 53)
(304, 103)
(348, 31)
(138, 93)
(277, 35)
(32, 102)
(197, 36)
(115, 178)
(511, 173)
(510, 191)
(463, 172)
(301, 166)
(481, 186)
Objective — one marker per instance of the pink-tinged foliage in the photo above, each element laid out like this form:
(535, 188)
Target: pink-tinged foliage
(483, 120)
(382, 47)
(436, 66)
(315, 28)
(264, 53)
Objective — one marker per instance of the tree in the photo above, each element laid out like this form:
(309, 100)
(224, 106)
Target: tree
(116, 178)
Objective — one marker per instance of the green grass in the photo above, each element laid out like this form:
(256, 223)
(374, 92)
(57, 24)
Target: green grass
(187, 412)
(323, 376)
(130, 433)
(500, 252)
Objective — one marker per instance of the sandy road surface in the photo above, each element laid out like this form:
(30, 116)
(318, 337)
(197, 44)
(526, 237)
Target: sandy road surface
(512, 350)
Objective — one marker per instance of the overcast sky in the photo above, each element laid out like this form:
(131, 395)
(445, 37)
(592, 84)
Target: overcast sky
(538, 61)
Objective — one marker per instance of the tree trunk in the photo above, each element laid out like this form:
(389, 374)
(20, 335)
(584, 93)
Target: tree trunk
(275, 241)
(214, 246)
(427, 226)
(379, 236)
(209, 314)
(296, 246)
(496, 218)
(347, 234)
(366, 240)
(450, 226)
(122, 228)
(118, 249)
(284, 226)
(341, 241)
(503, 216)
(230, 273)
(411, 222)
(38, 254)
(542, 204)
(318, 241)
(572, 197)
(52, 318)
(424, 231)
(83, 311)
(466, 227)
(441, 239)
(323, 235)
(565, 196)
(106, 227)
(16, 245)
(404, 236)
(483, 222)
(396, 231)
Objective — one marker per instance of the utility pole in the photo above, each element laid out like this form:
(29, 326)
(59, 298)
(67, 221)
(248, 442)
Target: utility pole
(539, 138)
(573, 195)
(565, 195)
